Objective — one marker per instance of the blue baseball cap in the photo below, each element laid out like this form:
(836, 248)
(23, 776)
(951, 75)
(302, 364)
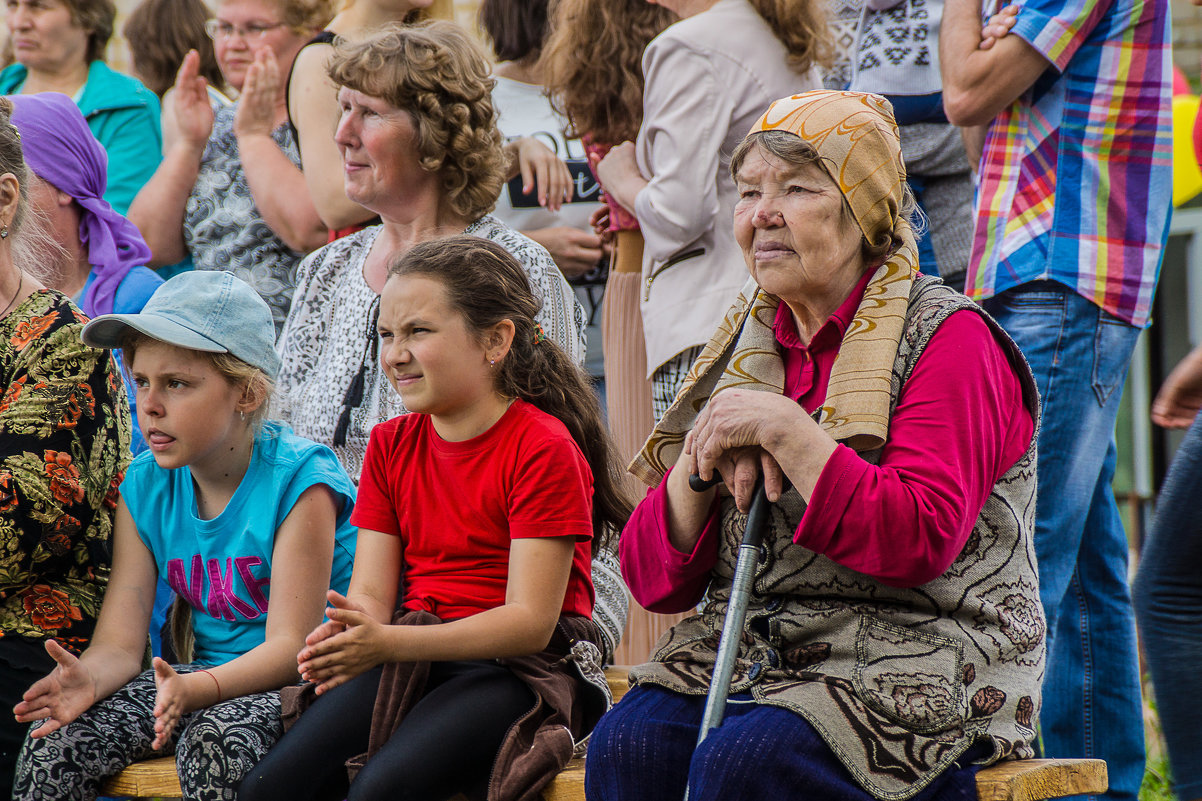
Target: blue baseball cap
(205, 310)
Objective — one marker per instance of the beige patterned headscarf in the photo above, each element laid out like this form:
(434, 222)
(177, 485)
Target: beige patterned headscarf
(856, 139)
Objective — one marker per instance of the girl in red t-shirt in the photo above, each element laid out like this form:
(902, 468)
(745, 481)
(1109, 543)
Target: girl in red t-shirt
(485, 501)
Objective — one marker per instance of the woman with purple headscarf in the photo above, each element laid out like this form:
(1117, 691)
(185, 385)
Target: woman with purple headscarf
(101, 265)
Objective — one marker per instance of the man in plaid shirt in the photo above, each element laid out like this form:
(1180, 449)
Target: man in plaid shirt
(1072, 100)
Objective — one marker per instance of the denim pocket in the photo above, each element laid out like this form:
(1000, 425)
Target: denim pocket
(1114, 340)
(912, 677)
(1035, 318)
(1025, 298)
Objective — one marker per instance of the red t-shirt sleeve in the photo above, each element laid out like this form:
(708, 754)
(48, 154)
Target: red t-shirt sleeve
(553, 494)
(375, 507)
(960, 424)
(661, 578)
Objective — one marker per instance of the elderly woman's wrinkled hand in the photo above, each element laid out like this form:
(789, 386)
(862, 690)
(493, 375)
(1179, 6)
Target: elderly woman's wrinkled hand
(736, 434)
(257, 103)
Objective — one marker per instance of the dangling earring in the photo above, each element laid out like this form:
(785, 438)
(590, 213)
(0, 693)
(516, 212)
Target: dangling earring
(492, 362)
(242, 415)
(4, 232)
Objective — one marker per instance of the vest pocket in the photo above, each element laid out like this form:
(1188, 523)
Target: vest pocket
(911, 677)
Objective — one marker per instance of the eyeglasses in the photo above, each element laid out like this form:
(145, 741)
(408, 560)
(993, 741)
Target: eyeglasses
(216, 29)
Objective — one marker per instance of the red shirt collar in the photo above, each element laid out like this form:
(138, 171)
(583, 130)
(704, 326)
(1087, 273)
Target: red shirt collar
(784, 327)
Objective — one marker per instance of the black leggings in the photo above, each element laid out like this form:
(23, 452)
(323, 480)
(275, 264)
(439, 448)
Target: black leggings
(444, 746)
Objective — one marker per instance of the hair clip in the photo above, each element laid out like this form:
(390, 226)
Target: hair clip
(539, 333)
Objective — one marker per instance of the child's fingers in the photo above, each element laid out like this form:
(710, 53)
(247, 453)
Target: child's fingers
(323, 665)
(162, 670)
(314, 663)
(347, 617)
(322, 633)
(335, 681)
(164, 724)
(339, 601)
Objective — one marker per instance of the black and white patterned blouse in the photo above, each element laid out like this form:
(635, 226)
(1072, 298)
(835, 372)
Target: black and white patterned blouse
(331, 333)
(224, 230)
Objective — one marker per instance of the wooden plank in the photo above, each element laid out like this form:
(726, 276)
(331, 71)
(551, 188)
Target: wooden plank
(145, 779)
(568, 785)
(616, 678)
(1037, 779)
(1024, 780)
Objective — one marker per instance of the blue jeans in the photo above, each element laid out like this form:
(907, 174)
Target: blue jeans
(1091, 693)
(644, 750)
(1168, 601)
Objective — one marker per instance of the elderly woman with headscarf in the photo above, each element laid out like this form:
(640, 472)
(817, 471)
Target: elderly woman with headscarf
(102, 263)
(894, 639)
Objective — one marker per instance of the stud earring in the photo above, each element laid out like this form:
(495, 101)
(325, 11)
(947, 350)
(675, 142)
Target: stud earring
(492, 362)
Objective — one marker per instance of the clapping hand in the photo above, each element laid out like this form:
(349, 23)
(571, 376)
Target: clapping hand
(261, 95)
(349, 643)
(192, 116)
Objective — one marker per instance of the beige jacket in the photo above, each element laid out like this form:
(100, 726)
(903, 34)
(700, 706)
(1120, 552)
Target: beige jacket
(709, 77)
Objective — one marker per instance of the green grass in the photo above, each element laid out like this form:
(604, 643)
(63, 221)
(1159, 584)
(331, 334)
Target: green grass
(1157, 784)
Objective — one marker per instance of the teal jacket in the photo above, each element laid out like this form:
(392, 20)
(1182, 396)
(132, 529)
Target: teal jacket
(123, 115)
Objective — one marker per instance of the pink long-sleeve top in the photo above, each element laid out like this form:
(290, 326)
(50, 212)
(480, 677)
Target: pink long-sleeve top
(959, 425)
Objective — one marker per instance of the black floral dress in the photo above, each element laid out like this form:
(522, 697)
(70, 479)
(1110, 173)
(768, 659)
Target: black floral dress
(64, 445)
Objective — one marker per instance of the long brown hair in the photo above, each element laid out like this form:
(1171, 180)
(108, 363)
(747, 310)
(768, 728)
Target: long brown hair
(592, 64)
(800, 25)
(160, 33)
(486, 285)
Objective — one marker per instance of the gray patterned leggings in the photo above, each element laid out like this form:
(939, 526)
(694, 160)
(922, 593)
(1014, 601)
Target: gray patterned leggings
(214, 747)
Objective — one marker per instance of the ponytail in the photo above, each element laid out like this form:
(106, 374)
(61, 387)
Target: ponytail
(183, 638)
(486, 285)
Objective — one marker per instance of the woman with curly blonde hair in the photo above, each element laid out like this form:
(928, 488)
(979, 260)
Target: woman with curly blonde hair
(708, 77)
(420, 148)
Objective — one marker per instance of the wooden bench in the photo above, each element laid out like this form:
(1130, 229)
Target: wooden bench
(1023, 780)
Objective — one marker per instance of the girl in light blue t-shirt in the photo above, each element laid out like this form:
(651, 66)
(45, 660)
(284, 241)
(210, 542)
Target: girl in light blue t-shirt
(246, 521)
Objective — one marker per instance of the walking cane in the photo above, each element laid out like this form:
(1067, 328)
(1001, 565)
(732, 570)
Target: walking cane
(736, 609)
